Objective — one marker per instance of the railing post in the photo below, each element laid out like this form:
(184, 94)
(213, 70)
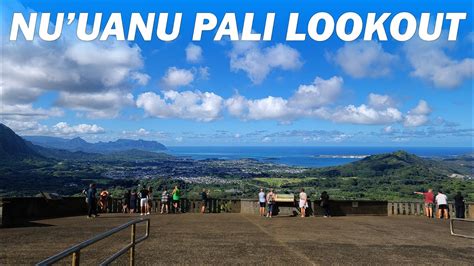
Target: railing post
(76, 257)
(389, 208)
(132, 248)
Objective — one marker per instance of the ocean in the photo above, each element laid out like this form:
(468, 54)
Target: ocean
(307, 156)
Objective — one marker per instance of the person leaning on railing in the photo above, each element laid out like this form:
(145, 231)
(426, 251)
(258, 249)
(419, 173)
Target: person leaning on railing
(176, 195)
(429, 202)
(165, 200)
(442, 204)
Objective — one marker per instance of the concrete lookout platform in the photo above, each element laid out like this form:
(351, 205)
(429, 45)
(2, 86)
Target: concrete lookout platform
(234, 238)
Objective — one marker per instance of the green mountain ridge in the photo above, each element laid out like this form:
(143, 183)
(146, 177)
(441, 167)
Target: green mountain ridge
(79, 144)
(399, 163)
(13, 147)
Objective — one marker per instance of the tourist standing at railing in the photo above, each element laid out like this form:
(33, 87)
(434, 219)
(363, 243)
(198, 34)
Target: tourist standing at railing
(176, 197)
(428, 201)
(271, 197)
(459, 205)
(133, 201)
(204, 199)
(150, 200)
(91, 201)
(165, 195)
(104, 200)
(303, 202)
(126, 201)
(262, 201)
(442, 204)
(325, 203)
(143, 201)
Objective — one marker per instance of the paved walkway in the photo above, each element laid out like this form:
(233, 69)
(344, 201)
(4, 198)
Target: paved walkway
(239, 239)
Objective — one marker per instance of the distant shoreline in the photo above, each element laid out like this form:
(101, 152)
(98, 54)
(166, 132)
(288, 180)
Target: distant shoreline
(310, 156)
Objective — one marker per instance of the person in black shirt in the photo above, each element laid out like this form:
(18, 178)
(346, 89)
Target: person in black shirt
(91, 201)
(325, 203)
(459, 205)
(203, 200)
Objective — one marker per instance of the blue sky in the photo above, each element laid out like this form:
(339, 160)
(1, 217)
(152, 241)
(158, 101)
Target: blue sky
(360, 93)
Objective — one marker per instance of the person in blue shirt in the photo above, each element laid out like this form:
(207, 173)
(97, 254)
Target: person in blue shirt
(91, 201)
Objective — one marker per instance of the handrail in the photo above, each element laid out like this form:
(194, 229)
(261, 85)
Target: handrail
(451, 227)
(75, 251)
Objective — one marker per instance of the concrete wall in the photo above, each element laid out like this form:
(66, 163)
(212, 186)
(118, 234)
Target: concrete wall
(417, 208)
(18, 211)
(338, 208)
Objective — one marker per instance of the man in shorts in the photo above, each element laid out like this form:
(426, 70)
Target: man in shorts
(429, 202)
(262, 201)
(442, 204)
(143, 201)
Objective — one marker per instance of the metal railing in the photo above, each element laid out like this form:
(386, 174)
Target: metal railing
(75, 251)
(451, 227)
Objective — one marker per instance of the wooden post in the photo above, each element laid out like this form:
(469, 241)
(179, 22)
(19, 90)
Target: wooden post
(76, 258)
(418, 212)
(132, 248)
(412, 208)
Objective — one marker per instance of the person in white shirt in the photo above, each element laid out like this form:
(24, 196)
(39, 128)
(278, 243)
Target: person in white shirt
(262, 200)
(303, 203)
(442, 204)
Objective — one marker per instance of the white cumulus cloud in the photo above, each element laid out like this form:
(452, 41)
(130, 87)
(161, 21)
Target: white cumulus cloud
(379, 101)
(199, 106)
(363, 59)
(257, 62)
(193, 53)
(418, 116)
(177, 77)
(317, 94)
(63, 128)
(307, 100)
(68, 66)
(96, 105)
(430, 62)
(366, 115)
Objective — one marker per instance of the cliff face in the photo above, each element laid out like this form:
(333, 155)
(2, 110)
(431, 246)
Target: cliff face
(13, 147)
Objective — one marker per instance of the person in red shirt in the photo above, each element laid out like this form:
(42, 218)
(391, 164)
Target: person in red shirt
(429, 202)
